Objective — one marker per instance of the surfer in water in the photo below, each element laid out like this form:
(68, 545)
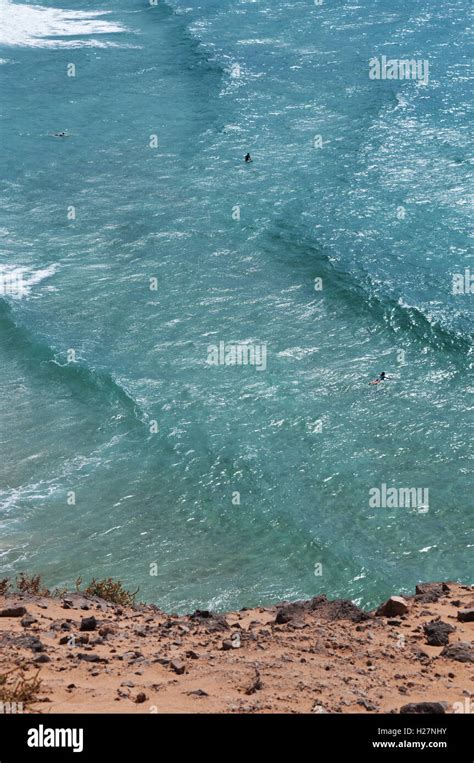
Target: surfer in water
(380, 378)
(248, 158)
(59, 135)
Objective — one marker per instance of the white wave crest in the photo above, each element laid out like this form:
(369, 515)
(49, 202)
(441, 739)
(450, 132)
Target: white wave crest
(38, 26)
(17, 282)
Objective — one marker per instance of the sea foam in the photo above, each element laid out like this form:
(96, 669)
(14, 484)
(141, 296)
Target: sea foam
(40, 27)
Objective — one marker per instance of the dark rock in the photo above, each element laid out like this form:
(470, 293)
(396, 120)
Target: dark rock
(106, 630)
(295, 610)
(424, 707)
(162, 660)
(178, 666)
(42, 658)
(437, 632)
(428, 593)
(91, 657)
(466, 615)
(32, 642)
(462, 651)
(140, 698)
(285, 614)
(198, 693)
(130, 655)
(395, 605)
(192, 654)
(88, 624)
(340, 609)
(13, 612)
(212, 621)
(368, 705)
(438, 588)
(28, 620)
(256, 684)
(227, 646)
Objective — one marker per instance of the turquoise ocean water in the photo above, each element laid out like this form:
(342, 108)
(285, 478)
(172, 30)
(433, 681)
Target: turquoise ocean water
(380, 213)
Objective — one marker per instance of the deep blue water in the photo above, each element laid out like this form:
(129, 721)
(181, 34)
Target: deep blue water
(381, 213)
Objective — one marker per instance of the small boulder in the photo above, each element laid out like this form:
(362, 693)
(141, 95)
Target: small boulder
(107, 630)
(178, 666)
(42, 658)
(437, 632)
(466, 615)
(370, 706)
(13, 612)
(288, 611)
(428, 593)
(211, 621)
(438, 708)
(395, 605)
(28, 620)
(33, 643)
(438, 588)
(461, 652)
(91, 657)
(88, 624)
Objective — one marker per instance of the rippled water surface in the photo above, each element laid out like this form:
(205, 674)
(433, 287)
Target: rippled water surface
(380, 213)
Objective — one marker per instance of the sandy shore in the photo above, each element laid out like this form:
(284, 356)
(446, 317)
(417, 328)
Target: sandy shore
(314, 656)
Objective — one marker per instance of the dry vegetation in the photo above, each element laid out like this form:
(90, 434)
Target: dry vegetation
(107, 589)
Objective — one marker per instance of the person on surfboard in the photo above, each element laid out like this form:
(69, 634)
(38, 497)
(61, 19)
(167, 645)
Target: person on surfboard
(380, 378)
(248, 158)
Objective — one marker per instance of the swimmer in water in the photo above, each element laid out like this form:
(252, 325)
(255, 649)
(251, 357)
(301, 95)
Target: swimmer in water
(380, 378)
(248, 158)
(59, 135)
